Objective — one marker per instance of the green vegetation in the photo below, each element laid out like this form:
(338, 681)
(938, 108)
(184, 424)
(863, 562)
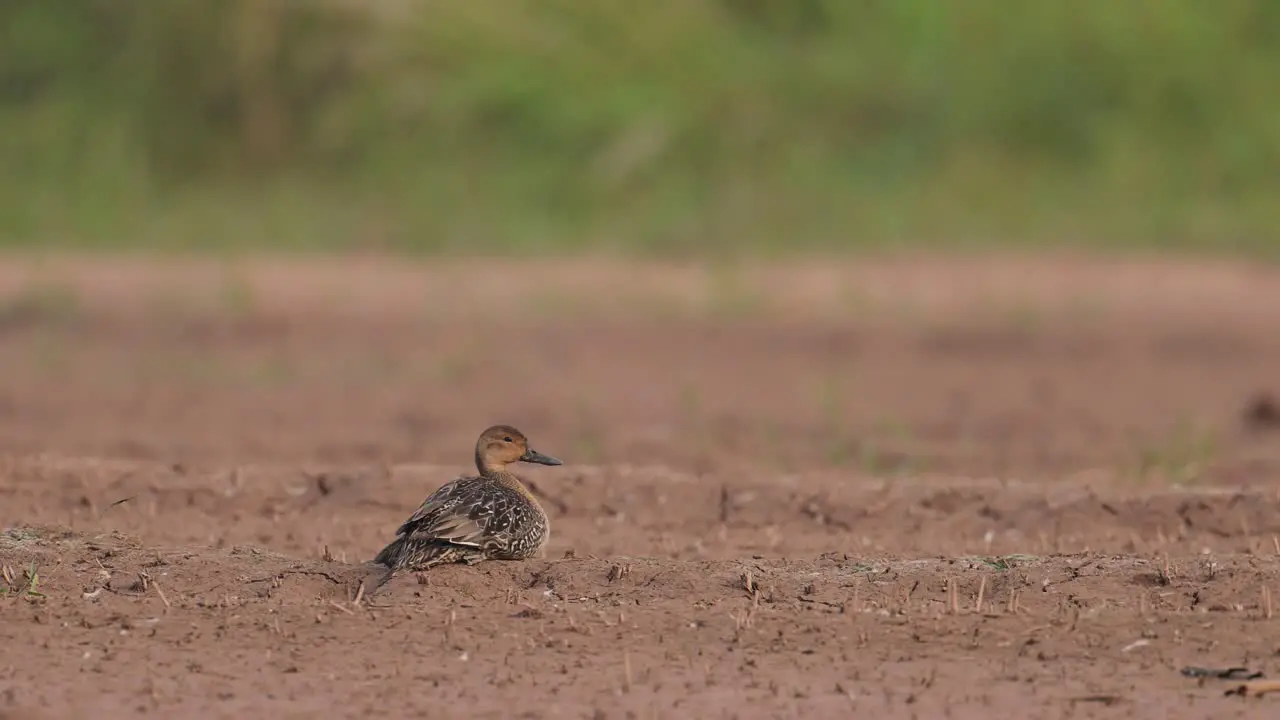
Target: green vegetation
(675, 127)
(1181, 457)
(25, 585)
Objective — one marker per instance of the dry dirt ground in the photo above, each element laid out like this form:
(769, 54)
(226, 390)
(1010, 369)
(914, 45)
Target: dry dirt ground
(902, 488)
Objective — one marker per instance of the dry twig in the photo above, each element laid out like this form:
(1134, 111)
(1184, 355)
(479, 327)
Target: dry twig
(1255, 688)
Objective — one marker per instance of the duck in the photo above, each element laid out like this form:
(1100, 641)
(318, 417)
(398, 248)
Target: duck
(489, 516)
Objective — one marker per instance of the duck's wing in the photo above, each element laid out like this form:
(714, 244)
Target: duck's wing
(459, 513)
(437, 502)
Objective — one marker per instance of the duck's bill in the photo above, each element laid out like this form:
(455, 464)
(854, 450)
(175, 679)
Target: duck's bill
(533, 456)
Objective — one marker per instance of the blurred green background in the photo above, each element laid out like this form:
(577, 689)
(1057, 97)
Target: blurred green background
(675, 127)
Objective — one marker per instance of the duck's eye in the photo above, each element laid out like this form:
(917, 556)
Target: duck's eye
(506, 439)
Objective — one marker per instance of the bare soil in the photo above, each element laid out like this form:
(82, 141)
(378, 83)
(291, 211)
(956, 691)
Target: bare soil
(995, 487)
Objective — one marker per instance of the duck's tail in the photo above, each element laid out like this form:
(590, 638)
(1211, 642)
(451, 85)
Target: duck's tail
(406, 553)
(385, 565)
(377, 577)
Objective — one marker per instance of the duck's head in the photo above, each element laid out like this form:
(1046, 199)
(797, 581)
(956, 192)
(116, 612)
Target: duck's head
(503, 445)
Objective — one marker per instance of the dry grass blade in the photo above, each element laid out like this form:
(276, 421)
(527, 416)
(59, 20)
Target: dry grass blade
(617, 572)
(160, 592)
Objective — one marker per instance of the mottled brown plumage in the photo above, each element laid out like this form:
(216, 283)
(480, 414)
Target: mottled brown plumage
(490, 516)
